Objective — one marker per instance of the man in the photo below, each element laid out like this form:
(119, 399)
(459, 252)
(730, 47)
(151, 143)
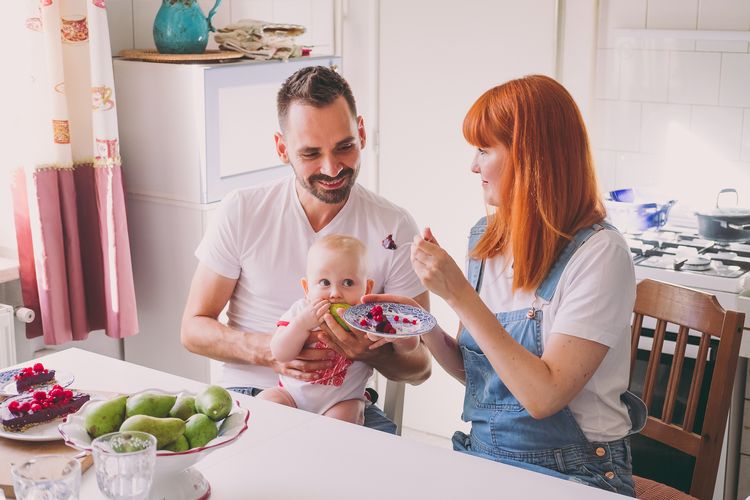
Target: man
(254, 254)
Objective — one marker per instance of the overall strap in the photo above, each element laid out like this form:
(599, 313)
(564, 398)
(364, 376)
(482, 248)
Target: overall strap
(547, 289)
(475, 268)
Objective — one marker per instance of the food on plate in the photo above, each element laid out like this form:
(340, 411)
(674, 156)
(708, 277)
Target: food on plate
(334, 312)
(214, 401)
(382, 324)
(102, 417)
(183, 408)
(178, 422)
(149, 403)
(165, 430)
(199, 430)
(33, 408)
(31, 376)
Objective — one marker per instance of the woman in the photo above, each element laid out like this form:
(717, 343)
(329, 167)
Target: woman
(545, 312)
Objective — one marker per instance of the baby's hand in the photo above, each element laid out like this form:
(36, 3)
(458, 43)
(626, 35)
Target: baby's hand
(312, 314)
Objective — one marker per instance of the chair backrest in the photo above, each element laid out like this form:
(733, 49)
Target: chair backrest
(700, 313)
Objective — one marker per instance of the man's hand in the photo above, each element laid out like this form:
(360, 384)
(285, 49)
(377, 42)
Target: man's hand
(354, 344)
(307, 365)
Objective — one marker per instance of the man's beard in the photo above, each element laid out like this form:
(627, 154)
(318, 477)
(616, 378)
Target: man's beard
(331, 196)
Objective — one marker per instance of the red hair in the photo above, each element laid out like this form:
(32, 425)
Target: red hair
(548, 188)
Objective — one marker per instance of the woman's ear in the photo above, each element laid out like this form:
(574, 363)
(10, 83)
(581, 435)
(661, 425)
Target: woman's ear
(370, 284)
(303, 282)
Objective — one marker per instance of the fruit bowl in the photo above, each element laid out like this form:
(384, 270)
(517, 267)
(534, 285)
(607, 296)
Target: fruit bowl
(173, 477)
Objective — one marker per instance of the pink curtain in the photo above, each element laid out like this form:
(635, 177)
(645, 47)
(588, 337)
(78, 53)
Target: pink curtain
(69, 203)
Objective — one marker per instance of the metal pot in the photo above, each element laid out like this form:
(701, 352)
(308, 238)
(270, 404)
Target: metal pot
(725, 224)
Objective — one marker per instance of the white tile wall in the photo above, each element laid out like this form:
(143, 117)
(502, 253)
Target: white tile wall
(694, 77)
(720, 128)
(617, 125)
(637, 169)
(706, 104)
(720, 46)
(734, 89)
(655, 122)
(672, 14)
(724, 15)
(644, 75)
(607, 74)
(745, 152)
(620, 14)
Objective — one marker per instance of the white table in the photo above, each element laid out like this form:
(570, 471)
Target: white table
(291, 454)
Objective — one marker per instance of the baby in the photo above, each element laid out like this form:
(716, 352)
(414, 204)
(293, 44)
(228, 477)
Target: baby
(336, 273)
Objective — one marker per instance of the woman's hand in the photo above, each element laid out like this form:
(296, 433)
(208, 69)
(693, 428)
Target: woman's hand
(436, 269)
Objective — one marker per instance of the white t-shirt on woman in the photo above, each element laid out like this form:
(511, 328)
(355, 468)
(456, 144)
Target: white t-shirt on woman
(593, 300)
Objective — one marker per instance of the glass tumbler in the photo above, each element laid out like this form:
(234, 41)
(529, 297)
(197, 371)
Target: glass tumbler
(50, 477)
(124, 463)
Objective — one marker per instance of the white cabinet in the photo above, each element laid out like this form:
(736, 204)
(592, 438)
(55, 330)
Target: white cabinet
(189, 134)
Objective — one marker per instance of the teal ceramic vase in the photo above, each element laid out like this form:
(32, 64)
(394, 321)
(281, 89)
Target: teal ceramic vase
(181, 28)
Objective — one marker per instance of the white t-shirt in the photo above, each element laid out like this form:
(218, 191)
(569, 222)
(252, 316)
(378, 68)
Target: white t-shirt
(593, 300)
(260, 236)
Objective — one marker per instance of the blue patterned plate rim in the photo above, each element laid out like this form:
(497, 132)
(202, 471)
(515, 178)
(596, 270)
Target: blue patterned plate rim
(391, 310)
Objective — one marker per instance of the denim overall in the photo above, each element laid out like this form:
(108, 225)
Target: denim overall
(502, 429)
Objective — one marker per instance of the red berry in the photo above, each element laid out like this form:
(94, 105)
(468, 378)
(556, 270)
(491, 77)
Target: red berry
(13, 406)
(38, 367)
(363, 322)
(57, 387)
(25, 406)
(36, 407)
(45, 371)
(16, 377)
(414, 322)
(40, 395)
(56, 391)
(68, 394)
(406, 320)
(395, 318)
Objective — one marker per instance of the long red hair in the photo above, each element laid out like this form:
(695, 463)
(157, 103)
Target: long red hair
(548, 188)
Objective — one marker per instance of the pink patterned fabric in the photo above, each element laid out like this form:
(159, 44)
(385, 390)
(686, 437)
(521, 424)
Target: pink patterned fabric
(69, 203)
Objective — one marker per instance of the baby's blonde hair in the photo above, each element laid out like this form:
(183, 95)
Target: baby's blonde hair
(341, 243)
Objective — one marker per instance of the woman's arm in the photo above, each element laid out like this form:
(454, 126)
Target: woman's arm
(289, 340)
(542, 385)
(444, 349)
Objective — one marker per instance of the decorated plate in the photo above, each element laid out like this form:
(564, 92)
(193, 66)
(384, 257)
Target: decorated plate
(404, 320)
(62, 378)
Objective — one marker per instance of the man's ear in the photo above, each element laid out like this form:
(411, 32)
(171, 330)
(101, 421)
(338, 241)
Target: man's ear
(361, 132)
(303, 282)
(281, 148)
(370, 284)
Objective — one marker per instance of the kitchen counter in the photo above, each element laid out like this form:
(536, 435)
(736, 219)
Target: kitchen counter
(289, 453)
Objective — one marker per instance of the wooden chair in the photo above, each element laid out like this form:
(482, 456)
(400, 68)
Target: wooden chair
(700, 312)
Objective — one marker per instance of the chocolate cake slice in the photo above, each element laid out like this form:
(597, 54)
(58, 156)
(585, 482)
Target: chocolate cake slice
(28, 410)
(32, 376)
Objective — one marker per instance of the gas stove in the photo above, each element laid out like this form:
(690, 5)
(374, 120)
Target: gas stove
(681, 256)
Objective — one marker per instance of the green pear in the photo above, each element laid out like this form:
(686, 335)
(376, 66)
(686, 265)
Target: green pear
(183, 408)
(149, 403)
(334, 312)
(165, 430)
(180, 445)
(199, 430)
(102, 417)
(214, 401)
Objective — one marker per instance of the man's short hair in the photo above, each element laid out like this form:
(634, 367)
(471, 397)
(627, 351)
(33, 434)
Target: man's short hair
(316, 86)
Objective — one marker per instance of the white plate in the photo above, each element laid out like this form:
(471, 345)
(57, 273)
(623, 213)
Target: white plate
(391, 310)
(47, 431)
(62, 378)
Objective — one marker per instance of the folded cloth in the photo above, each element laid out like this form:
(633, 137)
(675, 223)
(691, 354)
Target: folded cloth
(260, 39)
